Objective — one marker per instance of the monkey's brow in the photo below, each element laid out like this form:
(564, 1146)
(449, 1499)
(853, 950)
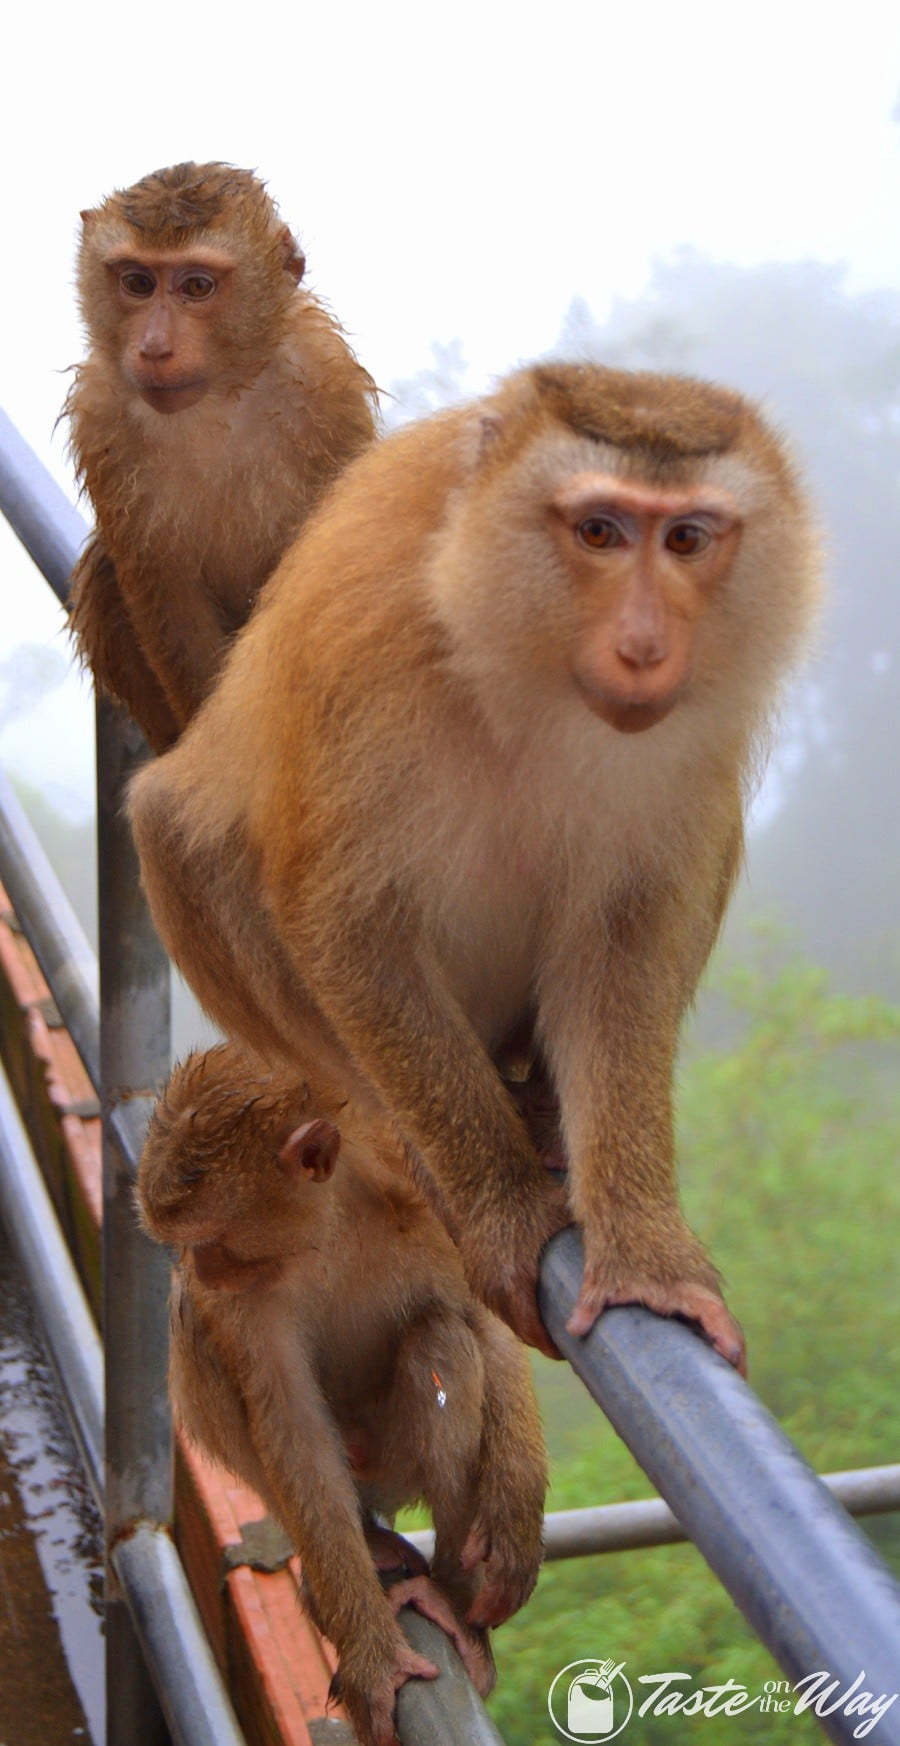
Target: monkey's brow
(597, 493)
(654, 439)
(200, 255)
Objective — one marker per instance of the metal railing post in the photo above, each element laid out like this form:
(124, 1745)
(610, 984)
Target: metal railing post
(134, 1062)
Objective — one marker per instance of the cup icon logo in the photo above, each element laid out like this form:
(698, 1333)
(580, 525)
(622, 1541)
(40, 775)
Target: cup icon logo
(590, 1701)
(590, 1709)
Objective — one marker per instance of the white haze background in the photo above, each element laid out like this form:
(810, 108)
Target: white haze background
(454, 173)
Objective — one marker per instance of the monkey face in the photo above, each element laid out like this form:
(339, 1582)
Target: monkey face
(644, 565)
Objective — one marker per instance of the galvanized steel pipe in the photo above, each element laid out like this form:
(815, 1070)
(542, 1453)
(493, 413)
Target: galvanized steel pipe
(68, 1327)
(38, 510)
(51, 929)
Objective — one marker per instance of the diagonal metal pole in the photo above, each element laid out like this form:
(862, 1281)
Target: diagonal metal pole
(134, 1062)
(809, 1582)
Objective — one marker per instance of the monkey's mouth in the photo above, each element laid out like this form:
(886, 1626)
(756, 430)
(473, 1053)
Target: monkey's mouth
(173, 396)
(628, 715)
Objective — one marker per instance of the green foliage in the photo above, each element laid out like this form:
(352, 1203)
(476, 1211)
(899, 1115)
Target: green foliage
(789, 1143)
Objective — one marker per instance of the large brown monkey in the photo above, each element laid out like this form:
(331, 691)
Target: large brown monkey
(487, 794)
(325, 1346)
(217, 401)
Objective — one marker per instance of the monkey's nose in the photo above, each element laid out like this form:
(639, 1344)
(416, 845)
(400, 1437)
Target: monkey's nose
(642, 647)
(157, 339)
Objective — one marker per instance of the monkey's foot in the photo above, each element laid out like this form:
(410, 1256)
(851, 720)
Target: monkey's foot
(371, 1701)
(391, 1552)
(684, 1298)
(506, 1580)
(429, 1600)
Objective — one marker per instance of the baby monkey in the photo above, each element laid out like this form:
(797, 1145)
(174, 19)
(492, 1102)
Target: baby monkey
(326, 1348)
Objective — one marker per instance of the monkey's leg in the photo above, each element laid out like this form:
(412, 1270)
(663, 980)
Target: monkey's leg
(433, 1418)
(611, 1034)
(202, 892)
(108, 643)
(505, 1544)
(309, 1489)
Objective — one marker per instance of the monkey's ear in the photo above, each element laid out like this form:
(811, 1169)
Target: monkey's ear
(313, 1148)
(294, 258)
(491, 426)
(477, 436)
(88, 217)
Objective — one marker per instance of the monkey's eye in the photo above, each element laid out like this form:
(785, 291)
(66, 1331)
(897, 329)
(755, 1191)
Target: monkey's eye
(197, 286)
(599, 533)
(687, 538)
(137, 283)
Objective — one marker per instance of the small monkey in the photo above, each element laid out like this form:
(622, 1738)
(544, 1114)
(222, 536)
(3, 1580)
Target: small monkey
(218, 400)
(482, 802)
(325, 1346)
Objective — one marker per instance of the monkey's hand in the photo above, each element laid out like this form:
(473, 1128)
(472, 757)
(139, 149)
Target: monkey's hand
(370, 1694)
(502, 1253)
(691, 1293)
(429, 1600)
(510, 1563)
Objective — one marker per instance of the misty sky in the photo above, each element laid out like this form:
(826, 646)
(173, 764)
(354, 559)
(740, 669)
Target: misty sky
(452, 173)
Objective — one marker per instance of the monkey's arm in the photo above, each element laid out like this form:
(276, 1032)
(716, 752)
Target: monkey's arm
(388, 1002)
(308, 1487)
(512, 1481)
(184, 633)
(108, 644)
(610, 1032)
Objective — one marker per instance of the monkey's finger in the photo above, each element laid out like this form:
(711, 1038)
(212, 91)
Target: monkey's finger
(427, 1599)
(690, 1302)
(412, 1665)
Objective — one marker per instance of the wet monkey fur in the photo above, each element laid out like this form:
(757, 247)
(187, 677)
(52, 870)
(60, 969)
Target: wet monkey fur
(325, 1346)
(483, 800)
(217, 401)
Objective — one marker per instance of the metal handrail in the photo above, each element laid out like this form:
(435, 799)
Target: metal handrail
(38, 510)
(69, 1329)
(49, 923)
(811, 1585)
